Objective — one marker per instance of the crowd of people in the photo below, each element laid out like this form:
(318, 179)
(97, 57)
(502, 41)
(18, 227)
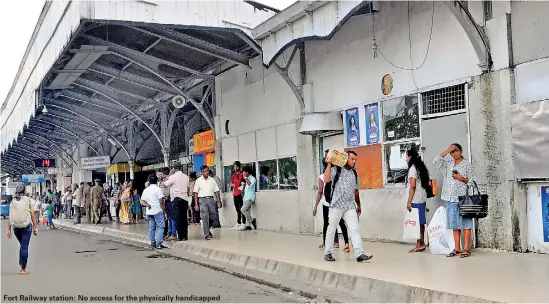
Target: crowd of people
(339, 195)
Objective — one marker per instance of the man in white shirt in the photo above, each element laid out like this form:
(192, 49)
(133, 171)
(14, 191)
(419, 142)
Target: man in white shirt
(178, 183)
(153, 199)
(205, 188)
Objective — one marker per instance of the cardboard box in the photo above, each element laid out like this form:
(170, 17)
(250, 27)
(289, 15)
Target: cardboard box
(338, 158)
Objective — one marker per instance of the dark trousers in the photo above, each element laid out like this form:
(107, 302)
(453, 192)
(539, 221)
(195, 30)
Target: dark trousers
(325, 210)
(196, 214)
(23, 235)
(238, 203)
(167, 203)
(180, 207)
(118, 203)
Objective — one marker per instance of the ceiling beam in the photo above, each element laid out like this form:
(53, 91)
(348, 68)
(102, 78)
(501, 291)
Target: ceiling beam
(106, 88)
(196, 44)
(81, 109)
(133, 53)
(71, 133)
(99, 103)
(131, 78)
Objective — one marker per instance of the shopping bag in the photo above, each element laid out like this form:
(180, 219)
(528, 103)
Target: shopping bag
(441, 240)
(411, 225)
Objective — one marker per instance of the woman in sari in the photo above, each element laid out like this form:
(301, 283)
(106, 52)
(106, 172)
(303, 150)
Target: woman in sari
(125, 201)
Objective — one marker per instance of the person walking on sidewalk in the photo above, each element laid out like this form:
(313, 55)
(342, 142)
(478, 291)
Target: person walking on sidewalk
(37, 205)
(178, 184)
(68, 203)
(48, 214)
(96, 201)
(249, 198)
(326, 210)
(87, 201)
(162, 174)
(217, 223)
(345, 202)
(458, 173)
(237, 185)
(195, 214)
(205, 188)
(125, 200)
(77, 203)
(417, 182)
(136, 206)
(153, 199)
(24, 223)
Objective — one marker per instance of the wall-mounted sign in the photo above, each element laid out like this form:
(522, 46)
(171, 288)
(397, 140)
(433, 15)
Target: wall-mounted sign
(59, 170)
(352, 127)
(90, 163)
(44, 163)
(204, 142)
(386, 84)
(372, 123)
(33, 178)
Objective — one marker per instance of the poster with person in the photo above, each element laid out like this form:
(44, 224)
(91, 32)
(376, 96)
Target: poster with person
(372, 123)
(545, 212)
(352, 127)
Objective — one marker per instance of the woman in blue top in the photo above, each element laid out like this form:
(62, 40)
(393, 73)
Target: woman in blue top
(136, 207)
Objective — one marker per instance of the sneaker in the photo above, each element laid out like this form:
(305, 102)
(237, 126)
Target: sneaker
(364, 258)
(161, 247)
(235, 227)
(247, 228)
(254, 223)
(329, 258)
(153, 245)
(210, 235)
(241, 228)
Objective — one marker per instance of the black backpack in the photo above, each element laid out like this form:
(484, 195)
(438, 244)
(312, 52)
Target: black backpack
(330, 186)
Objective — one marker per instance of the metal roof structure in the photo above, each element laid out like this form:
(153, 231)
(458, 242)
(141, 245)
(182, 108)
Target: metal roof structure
(112, 83)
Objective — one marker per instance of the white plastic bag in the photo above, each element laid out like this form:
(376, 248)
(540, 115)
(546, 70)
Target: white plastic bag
(441, 240)
(411, 225)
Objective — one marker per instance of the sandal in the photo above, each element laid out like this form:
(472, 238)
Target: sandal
(416, 249)
(465, 253)
(321, 246)
(336, 245)
(453, 253)
(347, 248)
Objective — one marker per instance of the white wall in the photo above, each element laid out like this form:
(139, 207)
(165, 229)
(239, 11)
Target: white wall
(535, 228)
(345, 73)
(262, 113)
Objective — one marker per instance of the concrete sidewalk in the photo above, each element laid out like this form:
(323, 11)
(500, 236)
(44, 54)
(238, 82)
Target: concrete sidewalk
(392, 276)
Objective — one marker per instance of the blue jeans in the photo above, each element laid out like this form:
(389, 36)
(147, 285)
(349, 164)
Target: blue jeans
(156, 228)
(23, 235)
(50, 219)
(172, 226)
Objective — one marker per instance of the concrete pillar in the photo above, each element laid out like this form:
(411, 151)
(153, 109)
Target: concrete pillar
(131, 162)
(490, 99)
(307, 160)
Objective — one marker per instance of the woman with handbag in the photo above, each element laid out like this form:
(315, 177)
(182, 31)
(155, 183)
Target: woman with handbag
(458, 173)
(417, 183)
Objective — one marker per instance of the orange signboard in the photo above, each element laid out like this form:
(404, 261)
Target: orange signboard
(204, 142)
(209, 159)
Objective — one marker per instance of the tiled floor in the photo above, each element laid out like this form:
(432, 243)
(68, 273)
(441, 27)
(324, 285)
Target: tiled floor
(499, 276)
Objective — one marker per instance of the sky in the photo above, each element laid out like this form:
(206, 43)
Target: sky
(17, 21)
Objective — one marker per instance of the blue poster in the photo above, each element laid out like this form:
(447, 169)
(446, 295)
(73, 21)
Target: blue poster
(545, 212)
(372, 123)
(353, 130)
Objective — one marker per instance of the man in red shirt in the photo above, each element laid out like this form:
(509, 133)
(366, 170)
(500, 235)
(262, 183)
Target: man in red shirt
(237, 185)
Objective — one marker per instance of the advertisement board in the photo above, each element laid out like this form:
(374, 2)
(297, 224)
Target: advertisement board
(204, 142)
(33, 178)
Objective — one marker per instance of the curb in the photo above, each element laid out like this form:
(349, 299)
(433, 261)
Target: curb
(330, 286)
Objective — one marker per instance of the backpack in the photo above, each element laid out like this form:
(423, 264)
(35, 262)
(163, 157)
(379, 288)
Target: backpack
(20, 212)
(330, 186)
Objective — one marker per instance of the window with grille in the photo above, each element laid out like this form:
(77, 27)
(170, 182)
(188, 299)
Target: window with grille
(444, 100)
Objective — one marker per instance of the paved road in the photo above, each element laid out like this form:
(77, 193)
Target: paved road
(62, 263)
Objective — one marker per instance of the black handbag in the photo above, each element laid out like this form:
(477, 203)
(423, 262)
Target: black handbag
(475, 205)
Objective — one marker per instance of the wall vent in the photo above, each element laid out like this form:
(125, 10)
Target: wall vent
(443, 100)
